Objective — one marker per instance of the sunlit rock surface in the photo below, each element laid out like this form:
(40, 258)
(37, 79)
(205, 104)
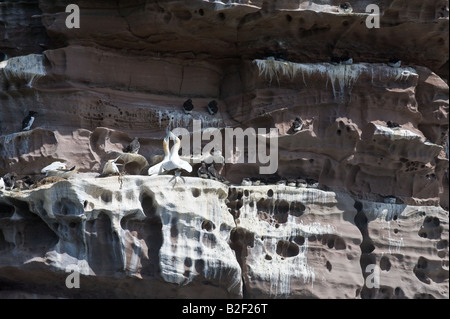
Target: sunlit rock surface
(372, 196)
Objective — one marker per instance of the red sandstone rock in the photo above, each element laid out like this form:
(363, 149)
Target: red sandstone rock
(126, 73)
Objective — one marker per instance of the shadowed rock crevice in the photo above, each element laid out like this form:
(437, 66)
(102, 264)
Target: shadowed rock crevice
(367, 247)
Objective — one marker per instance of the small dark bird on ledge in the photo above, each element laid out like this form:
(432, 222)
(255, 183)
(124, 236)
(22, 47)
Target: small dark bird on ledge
(10, 180)
(203, 171)
(394, 63)
(297, 124)
(346, 61)
(28, 120)
(133, 147)
(212, 107)
(345, 8)
(391, 124)
(341, 60)
(188, 106)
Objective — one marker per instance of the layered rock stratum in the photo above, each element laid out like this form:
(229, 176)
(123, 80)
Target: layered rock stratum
(366, 217)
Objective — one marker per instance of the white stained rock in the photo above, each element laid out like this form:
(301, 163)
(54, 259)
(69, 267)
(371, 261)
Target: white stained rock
(341, 77)
(285, 230)
(23, 68)
(107, 226)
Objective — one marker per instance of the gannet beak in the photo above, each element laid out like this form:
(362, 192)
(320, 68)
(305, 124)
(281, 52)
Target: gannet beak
(172, 136)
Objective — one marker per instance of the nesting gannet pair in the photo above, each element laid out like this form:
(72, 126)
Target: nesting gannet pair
(172, 160)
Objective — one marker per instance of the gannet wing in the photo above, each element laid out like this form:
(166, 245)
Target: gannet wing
(155, 169)
(53, 166)
(185, 165)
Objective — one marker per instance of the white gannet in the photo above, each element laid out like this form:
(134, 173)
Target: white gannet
(175, 162)
(111, 168)
(158, 168)
(55, 166)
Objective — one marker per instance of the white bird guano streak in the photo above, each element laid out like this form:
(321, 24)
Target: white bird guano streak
(280, 271)
(189, 244)
(385, 212)
(28, 68)
(345, 75)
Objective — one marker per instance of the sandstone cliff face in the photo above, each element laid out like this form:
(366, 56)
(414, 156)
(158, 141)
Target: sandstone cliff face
(374, 200)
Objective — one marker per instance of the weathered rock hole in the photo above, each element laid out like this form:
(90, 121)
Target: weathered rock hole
(297, 209)
(442, 244)
(199, 265)
(338, 132)
(209, 240)
(339, 243)
(208, 225)
(196, 192)
(270, 193)
(330, 243)
(201, 12)
(221, 16)
(399, 292)
(367, 248)
(385, 264)
(239, 204)
(4, 245)
(246, 193)
(148, 205)
(173, 228)
(6, 210)
(268, 257)
(106, 196)
(287, 249)
(299, 240)
(441, 254)
(65, 207)
(288, 18)
(422, 263)
(328, 265)
(283, 207)
(188, 262)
